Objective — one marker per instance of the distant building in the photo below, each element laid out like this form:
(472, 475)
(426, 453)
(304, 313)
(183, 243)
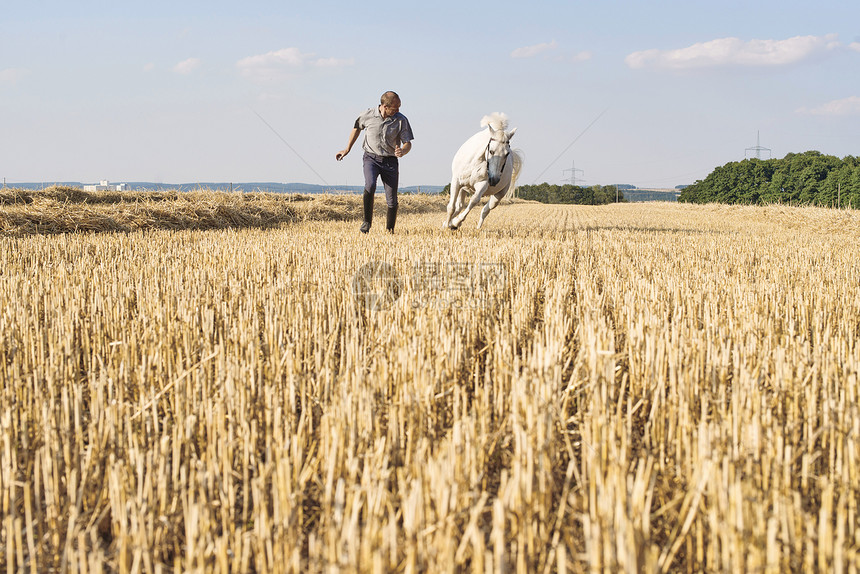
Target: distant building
(105, 185)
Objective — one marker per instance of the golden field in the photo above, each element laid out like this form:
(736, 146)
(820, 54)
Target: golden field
(635, 387)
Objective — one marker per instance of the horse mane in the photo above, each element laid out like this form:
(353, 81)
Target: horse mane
(498, 120)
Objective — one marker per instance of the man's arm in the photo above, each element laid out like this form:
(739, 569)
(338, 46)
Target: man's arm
(403, 150)
(353, 137)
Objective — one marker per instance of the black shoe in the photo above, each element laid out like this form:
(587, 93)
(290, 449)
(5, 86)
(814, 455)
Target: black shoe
(365, 227)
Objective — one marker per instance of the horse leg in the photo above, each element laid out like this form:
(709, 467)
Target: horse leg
(453, 202)
(491, 204)
(476, 199)
(461, 200)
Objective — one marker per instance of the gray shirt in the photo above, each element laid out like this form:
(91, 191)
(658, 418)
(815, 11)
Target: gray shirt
(383, 134)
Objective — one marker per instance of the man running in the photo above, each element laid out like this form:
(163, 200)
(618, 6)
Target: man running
(388, 138)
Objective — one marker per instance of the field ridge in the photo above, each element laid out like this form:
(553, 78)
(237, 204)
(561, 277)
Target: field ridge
(63, 209)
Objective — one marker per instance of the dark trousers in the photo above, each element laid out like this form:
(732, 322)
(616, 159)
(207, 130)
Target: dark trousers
(385, 167)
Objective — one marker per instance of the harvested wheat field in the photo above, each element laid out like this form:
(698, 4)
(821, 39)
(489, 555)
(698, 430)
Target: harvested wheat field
(635, 387)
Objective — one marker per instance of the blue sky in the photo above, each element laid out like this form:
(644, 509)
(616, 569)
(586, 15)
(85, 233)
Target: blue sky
(653, 94)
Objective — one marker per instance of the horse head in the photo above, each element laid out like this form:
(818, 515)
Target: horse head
(498, 150)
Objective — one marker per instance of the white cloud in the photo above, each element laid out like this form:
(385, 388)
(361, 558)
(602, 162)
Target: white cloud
(149, 67)
(287, 57)
(187, 66)
(845, 107)
(333, 62)
(280, 63)
(582, 56)
(10, 76)
(270, 97)
(736, 52)
(854, 46)
(532, 51)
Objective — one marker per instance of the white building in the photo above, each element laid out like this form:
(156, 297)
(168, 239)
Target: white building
(105, 185)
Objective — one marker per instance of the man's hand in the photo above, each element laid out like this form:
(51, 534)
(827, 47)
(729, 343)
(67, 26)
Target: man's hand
(401, 151)
(341, 154)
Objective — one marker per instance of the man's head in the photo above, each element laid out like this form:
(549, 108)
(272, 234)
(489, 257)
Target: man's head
(389, 104)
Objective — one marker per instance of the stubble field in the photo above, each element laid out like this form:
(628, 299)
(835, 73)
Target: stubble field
(639, 387)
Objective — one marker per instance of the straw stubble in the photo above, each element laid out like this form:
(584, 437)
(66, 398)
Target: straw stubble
(626, 388)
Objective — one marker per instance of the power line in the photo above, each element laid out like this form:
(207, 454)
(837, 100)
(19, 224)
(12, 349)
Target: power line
(571, 144)
(289, 146)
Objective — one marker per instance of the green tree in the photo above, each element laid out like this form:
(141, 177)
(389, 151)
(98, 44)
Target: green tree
(806, 178)
(546, 193)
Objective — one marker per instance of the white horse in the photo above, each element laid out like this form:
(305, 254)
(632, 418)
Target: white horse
(484, 165)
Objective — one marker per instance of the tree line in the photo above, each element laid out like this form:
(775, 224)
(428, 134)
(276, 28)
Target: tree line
(592, 195)
(809, 178)
(547, 193)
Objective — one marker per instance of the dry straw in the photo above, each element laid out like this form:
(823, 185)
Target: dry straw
(69, 210)
(642, 388)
